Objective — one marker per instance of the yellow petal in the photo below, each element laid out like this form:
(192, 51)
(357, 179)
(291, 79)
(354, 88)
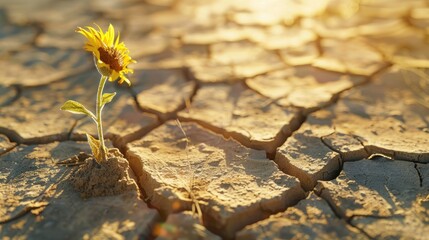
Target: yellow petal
(114, 76)
(110, 35)
(115, 53)
(124, 78)
(117, 40)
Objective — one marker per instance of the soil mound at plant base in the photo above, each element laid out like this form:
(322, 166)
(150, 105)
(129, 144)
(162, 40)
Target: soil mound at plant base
(108, 178)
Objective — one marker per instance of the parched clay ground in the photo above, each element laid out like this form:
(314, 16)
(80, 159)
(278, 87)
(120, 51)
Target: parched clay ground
(246, 119)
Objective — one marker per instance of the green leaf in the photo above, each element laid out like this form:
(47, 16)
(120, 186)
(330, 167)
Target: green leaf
(107, 97)
(76, 108)
(95, 148)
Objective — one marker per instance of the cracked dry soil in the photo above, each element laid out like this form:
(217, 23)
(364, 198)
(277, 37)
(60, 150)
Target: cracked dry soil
(246, 119)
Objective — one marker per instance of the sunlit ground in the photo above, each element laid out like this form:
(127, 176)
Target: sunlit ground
(245, 119)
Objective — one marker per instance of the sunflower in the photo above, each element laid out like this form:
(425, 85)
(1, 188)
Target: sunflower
(110, 56)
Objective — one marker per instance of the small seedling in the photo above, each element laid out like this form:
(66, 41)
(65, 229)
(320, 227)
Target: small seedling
(111, 58)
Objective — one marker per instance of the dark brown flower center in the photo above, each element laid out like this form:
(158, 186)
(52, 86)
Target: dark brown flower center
(111, 57)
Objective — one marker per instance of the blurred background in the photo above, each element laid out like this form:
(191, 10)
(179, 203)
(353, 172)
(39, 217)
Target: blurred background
(215, 34)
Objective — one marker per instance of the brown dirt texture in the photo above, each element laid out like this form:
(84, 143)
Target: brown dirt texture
(245, 119)
(108, 178)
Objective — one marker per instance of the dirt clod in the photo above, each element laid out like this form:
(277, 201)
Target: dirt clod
(108, 178)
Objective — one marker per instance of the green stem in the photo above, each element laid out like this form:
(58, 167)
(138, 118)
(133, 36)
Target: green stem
(99, 107)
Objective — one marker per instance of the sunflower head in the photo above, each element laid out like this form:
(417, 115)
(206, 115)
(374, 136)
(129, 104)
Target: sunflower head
(111, 56)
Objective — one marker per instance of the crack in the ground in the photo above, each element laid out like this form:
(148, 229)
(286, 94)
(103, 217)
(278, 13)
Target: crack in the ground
(38, 202)
(227, 134)
(39, 26)
(16, 137)
(319, 191)
(147, 110)
(138, 168)
(335, 98)
(163, 117)
(419, 174)
(419, 159)
(318, 42)
(279, 138)
(373, 151)
(368, 216)
(322, 139)
(142, 194)
(7, 150)
(69, 135)
(117, 141)
(374, 154)
(360, 230)
(303, 112)
(374, 216)
(18, 93)
(12, 135)
(368, 154)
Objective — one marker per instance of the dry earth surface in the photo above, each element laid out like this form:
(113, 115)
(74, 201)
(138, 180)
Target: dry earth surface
(246, 119)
